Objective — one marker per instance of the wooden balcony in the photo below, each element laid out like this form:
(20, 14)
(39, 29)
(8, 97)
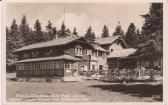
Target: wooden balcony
(78, 55)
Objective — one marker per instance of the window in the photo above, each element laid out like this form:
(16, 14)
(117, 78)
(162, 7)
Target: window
(86, 52)
(21, 66)
(30, 66)
(26, 55)
(52, 62)
(78, 50)
(67, 64)
(35, 66)
(100, 54)
(93, 67)
(50, 51)
(82, 68)
(35, 53)
(100, 67)
(38, 66)
(104, 54)
(95, 53)
(111, 50)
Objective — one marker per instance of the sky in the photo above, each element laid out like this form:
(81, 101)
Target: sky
(79, 15)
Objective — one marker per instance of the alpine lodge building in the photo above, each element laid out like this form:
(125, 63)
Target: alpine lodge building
(59, 58)
(70, 57)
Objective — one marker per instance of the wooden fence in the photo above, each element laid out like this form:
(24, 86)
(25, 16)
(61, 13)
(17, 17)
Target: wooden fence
(40, 73)
(122, 74)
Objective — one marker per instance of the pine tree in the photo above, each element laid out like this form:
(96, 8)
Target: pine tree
(68, 30)
(105, 32)
(152, 29)
(152, 34)
(54, 31)
(153, 22)
(131, 36)
(12, 41)
(49, 28)
(9, 46)
(138, 36)
(74, 31)
(31, 37)
(93, 36)
(90, 36)
(10, 57)
(62, 31)
(14, 31)
(118, 30)
(39, 37)
(24, 29)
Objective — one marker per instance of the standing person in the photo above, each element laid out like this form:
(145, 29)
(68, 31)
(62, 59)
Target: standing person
(124, 76)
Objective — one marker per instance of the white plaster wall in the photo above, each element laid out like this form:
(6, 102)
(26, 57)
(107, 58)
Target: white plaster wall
(99, 61)
(89, 52)
(115, 46)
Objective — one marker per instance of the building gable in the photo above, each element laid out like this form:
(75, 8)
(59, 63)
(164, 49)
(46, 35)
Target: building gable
(112, 43)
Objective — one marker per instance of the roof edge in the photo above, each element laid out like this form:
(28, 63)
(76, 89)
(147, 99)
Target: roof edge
(17, 50)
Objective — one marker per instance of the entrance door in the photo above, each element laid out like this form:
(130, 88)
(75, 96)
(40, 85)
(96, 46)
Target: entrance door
(75, 72)
(75, 69)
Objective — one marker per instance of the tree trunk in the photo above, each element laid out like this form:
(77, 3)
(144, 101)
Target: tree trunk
(152, 71)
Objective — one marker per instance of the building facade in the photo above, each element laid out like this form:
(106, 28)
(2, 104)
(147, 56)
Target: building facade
(62, 57)
(118, 52)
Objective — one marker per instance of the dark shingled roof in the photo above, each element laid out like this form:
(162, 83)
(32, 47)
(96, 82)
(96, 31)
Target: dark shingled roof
(66, 57)
(55, 42)
(98, 47)
(107, 40)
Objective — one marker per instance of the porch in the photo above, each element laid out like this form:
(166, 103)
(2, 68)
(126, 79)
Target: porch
(45, 68)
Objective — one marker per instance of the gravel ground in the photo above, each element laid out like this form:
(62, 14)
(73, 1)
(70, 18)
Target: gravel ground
(90, 90)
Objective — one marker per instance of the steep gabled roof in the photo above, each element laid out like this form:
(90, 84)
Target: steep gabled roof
(55, 42)
(98, 47)
(109, 40)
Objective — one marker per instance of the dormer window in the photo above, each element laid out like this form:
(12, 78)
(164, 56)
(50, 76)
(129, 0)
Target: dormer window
(78, 50)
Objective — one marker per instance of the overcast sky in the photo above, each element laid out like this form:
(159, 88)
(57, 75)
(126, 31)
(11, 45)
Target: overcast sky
(80, 15)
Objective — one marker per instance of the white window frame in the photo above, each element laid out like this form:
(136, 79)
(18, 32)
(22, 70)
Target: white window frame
(94, 67)
(67, 64)
(78, 50)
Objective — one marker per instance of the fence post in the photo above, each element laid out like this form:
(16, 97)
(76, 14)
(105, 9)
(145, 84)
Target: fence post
(139, 72)
(152, 75)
